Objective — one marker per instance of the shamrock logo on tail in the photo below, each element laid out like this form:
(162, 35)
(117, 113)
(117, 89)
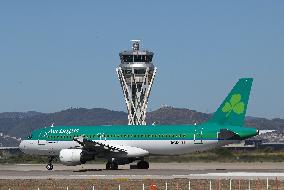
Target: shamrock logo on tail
(235, 105)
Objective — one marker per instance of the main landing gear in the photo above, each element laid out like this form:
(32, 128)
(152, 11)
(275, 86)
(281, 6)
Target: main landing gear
(49, 166)
(111, 165)
(143, 165)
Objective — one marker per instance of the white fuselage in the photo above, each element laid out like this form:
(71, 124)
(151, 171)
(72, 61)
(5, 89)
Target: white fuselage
(158, 147)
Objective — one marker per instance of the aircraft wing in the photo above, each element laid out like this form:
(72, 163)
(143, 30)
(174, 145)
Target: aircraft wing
(104, 148)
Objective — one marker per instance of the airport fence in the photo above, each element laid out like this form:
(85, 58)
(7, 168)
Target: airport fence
(144, 184)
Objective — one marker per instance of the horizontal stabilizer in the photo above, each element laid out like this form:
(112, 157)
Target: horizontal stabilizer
(226, 134)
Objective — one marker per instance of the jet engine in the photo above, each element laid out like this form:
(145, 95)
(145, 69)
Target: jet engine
(73, 157)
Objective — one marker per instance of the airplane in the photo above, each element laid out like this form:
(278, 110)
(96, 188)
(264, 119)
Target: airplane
(124, 144)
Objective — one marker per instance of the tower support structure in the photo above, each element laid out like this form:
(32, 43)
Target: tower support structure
(136, 74)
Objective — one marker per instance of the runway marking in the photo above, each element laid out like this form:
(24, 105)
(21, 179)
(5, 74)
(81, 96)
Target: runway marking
(28, 164)
(126, 176)
(241, 174)
(210, 175)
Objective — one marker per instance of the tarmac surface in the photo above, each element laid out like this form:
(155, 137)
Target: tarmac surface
(156, 171)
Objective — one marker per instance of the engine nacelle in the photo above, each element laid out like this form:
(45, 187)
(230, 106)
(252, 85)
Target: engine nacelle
(73, 157)
(70, 157)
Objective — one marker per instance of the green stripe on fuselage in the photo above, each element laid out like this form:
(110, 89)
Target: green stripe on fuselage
(207, 131)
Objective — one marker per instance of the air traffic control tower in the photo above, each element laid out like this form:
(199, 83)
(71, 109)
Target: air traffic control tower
(136, 74)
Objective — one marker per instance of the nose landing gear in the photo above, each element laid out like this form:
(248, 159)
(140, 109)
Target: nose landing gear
(49, 166)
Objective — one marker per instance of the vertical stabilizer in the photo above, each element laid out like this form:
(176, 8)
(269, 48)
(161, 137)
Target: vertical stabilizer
(233, 109)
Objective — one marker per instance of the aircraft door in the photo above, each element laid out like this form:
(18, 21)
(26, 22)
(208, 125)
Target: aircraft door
(41, 142)
(198, 136)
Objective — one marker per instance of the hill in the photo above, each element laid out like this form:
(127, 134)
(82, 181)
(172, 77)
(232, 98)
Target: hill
(19, 115)
(21, 127)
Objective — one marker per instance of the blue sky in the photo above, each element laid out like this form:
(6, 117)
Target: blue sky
(60, 54)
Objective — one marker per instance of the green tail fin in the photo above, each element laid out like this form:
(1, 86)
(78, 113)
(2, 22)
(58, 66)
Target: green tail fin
(233, 110)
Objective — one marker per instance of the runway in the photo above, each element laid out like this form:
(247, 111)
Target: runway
(156, 171)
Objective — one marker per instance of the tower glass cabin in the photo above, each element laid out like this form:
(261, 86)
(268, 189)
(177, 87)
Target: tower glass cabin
(136, 74)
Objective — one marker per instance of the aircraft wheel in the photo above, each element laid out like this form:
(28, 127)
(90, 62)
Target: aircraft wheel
(111, 166)
(108, 165)
(49, 167)
(142, 165)
(114, 166)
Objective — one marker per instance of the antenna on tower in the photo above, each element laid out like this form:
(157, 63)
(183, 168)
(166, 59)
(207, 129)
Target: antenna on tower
(135, 40)
(135, 45)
